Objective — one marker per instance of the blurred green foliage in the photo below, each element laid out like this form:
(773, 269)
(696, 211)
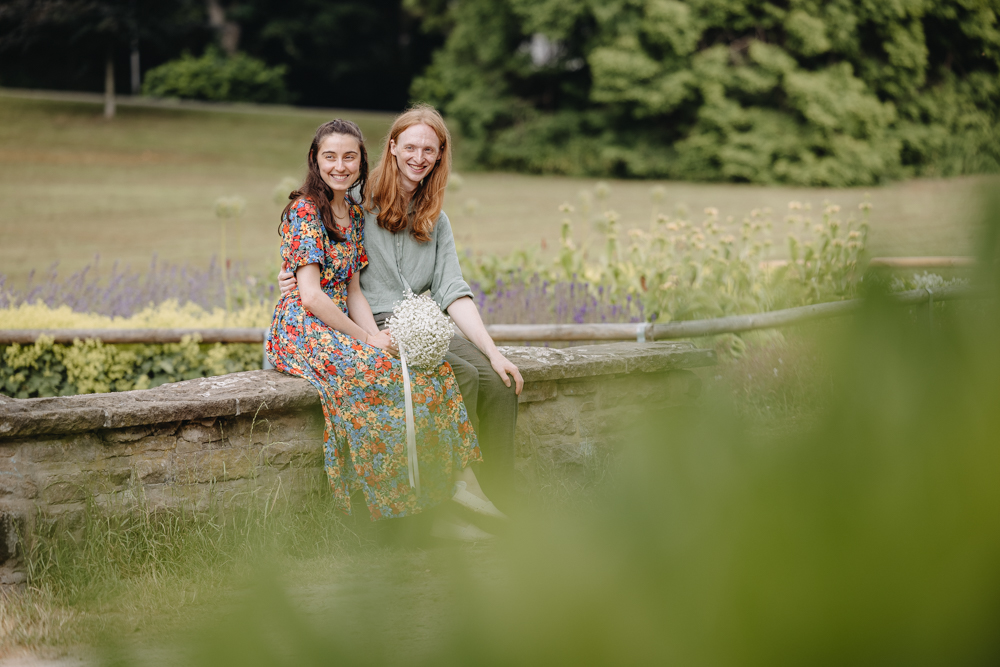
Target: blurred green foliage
(218, 78)
(867, 534)
(848, 92)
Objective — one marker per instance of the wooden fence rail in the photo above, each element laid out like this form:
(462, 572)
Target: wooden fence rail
(511, 333)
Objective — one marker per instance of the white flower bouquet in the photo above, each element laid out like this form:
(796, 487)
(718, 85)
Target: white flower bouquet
(420, 330)
(422, 333)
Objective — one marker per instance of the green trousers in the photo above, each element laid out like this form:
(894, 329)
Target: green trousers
(492, 408)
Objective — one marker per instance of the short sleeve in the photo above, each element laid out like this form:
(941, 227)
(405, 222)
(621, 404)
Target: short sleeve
(302, 236)
(448, 283)
(361, 256)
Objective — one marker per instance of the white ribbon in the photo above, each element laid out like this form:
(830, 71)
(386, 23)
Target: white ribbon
(411, 431)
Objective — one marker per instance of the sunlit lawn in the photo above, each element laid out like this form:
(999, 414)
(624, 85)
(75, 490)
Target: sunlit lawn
(73, 186)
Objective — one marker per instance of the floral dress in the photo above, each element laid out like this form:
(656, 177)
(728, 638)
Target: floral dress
(361, 387)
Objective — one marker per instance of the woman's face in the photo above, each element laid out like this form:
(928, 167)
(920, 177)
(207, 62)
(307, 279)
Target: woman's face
(417, 151)
(339, 160)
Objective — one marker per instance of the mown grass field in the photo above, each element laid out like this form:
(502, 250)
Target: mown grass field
(73, 186)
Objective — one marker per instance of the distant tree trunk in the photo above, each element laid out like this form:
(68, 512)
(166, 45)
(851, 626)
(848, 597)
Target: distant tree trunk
(136, 75)
(109, 85)
(228, 31)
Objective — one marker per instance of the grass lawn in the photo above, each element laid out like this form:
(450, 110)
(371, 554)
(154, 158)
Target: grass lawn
(73, 186)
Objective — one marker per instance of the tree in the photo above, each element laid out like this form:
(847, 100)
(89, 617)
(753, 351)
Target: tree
(355, 54)
(76, 44)
(841, 92)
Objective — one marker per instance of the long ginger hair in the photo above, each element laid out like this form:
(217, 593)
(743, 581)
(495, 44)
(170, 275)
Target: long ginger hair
(388, 200)
(315, 188)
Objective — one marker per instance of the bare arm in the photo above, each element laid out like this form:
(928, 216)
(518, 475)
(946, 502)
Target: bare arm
(465, 314)
(315, 300)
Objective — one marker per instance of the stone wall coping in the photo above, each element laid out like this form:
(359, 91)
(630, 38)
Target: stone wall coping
(269, 390)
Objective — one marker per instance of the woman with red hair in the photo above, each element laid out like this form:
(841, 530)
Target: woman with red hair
(323, 331)
(411, 247)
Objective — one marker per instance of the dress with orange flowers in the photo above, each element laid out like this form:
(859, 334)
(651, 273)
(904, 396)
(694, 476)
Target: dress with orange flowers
(361, 387)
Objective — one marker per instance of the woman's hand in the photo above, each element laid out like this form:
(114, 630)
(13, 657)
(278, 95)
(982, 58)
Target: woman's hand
(287, 281)
(383, 341)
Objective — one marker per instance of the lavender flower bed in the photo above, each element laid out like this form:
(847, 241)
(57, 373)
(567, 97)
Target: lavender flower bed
(123, 291)
(521, 299)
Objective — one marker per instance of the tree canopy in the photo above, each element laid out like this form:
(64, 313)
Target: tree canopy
(833, 92)
(356, 54)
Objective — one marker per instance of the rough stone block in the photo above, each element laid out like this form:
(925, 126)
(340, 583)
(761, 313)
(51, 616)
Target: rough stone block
(16, 484)
(157, 443)
(125, 434)
(213, 465)
(81, 447)
(524, 443)
(533, 392)
(296, 453)
(560, 451)
(59, 489)
(200, 434)
(166, 428)
(549, 418)
(10, 526)
(154, 470)
(577, 387)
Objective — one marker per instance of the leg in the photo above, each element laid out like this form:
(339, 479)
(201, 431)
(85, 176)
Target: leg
(468, 384)
(497, 412)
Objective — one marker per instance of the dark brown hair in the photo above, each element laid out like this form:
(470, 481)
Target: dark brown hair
(385, 195)
(315, 188)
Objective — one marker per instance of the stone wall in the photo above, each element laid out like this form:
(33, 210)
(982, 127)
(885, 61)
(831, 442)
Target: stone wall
(217, 439)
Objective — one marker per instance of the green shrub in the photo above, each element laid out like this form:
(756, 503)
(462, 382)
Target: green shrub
(812, 93)
(90, 366)
(218, 78)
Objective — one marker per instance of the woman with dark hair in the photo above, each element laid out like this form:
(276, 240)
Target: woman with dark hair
(323, 331)
(411, 246)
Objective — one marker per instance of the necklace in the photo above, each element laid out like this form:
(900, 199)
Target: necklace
(337, 218)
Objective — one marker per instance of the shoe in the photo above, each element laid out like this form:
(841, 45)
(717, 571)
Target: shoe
(473, 502)
(454, 529)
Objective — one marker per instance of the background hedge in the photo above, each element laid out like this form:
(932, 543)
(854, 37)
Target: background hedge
(838, 92)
